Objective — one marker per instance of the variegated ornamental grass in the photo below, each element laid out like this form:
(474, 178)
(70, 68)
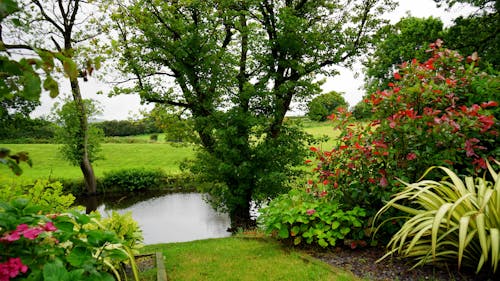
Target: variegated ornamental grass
(449, 221)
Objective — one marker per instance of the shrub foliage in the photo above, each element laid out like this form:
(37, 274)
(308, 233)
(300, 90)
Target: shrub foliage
(438, 112)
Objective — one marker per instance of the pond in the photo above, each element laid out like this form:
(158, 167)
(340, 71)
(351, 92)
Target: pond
(175, 217)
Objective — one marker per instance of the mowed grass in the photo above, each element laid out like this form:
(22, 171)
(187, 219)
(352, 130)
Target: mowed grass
(48, 162)
(242, 259)
(323, 129)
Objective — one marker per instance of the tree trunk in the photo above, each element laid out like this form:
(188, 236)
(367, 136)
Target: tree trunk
(240, 216)
(85, 165)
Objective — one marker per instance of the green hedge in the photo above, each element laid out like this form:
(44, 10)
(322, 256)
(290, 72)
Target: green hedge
(133, 180)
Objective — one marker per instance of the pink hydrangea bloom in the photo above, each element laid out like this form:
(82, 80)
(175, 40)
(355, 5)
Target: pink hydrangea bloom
(49, 227)
(32, 233)
(11, 268)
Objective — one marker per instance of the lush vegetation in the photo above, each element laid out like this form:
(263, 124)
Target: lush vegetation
(237, 68)
(242, 259)
(41, 238)
(441, 111)
(229, 73)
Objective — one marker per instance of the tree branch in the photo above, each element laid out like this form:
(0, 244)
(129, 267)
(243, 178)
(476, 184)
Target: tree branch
(47, 17)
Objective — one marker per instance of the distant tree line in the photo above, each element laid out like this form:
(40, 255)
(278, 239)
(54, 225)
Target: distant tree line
(120, 128)
(17, 128)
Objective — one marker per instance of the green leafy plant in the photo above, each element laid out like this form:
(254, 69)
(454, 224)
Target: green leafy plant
(125, 227)
(449, 221)
(310, 217)
(47, 195)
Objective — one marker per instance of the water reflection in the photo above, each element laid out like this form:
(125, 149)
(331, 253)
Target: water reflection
(175, 217)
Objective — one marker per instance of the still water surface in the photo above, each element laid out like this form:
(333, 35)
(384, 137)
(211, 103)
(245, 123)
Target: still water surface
(175, 217)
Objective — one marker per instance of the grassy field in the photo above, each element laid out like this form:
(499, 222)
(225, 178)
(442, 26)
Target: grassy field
(48, 163)
(243, 259)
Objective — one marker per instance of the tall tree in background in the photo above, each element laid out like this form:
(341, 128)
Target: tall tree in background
(478, 32)
(407, 39)
(324, 105)
(236, 66)
(60, 28)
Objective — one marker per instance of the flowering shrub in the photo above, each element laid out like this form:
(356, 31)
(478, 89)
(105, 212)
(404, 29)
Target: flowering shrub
(438, 112)
(66, 246)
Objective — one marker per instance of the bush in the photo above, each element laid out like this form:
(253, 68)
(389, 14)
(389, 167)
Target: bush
(311, 217)
(45, 194)
(125, 227)
(153, 137)
(133, 179)
(432, 115)
(449, 221)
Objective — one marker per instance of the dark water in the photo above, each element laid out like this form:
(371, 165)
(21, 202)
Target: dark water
(175, 217)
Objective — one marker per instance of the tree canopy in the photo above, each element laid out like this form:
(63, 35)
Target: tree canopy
(409, 38)
(324, 105)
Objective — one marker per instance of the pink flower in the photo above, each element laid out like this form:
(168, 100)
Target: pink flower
(384, 182)
(11, 237)
(323, 193)
(32, 233)
(411, 156)
(310, 211)
(49, 226)
(11, 268)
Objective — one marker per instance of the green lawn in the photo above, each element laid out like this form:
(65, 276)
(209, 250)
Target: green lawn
(47, 161)
(242, 259)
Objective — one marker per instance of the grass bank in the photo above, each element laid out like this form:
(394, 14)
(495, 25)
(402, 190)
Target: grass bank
(243, 259)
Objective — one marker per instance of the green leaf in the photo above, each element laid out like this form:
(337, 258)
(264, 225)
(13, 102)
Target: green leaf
(7, 7)
(55, 271)
(99, 238)
(51, 85)
(283, 233)
(32, 85)
(80, 256)
(335, 224)
(295, 230)
(322, 243)
(297, 240)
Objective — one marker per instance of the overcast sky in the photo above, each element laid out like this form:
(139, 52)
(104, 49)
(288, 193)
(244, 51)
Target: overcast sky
(128, 106)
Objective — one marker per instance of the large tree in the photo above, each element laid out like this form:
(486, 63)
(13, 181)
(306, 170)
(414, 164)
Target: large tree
(409, 38)
(60, 29)
(478, 32)
(236, 66)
